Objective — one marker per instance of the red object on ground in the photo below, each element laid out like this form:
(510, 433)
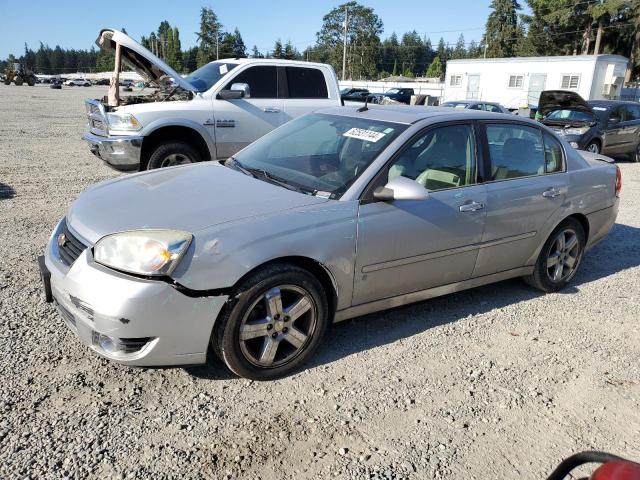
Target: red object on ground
(617, 470)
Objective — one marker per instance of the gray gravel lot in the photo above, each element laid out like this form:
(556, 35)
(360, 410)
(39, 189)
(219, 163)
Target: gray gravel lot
(496, 382)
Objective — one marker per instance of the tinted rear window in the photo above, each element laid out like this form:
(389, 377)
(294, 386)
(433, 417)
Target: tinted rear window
(306, 83)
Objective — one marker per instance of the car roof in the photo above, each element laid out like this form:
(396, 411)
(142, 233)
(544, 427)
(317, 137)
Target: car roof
(409, 114)
(278, 61)
(611, 103)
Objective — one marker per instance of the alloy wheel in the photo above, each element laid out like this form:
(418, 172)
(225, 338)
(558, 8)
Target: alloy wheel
(175, 159)
(593, 148)
(564, 256)
(278, 326)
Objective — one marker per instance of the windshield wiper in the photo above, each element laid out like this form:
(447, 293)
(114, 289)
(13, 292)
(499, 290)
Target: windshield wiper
(231, 162)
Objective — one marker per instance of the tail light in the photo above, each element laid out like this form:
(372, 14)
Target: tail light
(618, 181)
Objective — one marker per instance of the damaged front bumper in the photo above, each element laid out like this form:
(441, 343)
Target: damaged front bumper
(126, 319)
(120, 153)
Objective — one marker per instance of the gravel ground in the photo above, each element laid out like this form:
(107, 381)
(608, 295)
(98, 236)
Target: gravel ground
(496, 382)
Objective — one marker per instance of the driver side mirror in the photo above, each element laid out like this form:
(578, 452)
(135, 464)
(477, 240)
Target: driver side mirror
(238, 90)
(401, 188)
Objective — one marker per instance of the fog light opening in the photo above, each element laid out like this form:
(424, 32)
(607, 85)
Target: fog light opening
(118, 346)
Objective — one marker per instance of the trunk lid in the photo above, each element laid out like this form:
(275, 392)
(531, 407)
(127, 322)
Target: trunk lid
(139, 59)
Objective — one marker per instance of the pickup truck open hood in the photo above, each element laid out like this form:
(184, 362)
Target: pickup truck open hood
(138, 58)
(190, 198)
(551, 100)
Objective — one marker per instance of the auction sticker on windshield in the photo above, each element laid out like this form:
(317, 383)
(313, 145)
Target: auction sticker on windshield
(362, 134)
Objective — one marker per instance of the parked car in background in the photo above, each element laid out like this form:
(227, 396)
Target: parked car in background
(102, 81)
(354, 94)
(600, 126)
(56, 84)
(334, 215)
(402, 95)
(77, 82)
(477, 105)
(210, 114)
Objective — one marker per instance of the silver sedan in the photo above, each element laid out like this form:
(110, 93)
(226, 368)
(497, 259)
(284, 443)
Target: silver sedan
(333, 215)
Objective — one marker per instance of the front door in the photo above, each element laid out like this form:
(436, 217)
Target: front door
(523, 193)
(537, 83)
(408, 246)
(473, 87)
(242, 121)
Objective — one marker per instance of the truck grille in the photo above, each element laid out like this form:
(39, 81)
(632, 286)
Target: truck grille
(96, 117)
(69, 247)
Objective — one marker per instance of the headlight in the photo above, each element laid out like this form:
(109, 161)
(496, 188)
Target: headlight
(123, 121)
(576, 131)
(145, 252)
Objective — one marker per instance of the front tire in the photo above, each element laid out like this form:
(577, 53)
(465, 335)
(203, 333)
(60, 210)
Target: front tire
(635, 156)
(18, 80)
(279, 317)
(173, 153)
(559, 258)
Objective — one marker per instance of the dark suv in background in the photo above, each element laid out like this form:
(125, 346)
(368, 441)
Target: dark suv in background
(609, 127)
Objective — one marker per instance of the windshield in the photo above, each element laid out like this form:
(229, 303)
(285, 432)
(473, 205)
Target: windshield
(570, 115)
(394, 90)
(318, 154)
(205, 77)
(455, 104)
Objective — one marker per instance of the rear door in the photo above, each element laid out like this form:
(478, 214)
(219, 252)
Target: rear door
(526, 185)
(304, 90)
(240, 122)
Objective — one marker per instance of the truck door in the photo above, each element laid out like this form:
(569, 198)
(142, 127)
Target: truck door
(240, 121)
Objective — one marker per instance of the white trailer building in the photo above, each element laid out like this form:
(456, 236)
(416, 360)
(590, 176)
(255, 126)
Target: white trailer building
(517, 82)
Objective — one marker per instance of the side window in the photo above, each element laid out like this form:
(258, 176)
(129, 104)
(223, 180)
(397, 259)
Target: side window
(444, 157)
(262, 80)
(515, 151)
(476, 106)
(306, 83)
(619, 112)
(492, 108)
(552, 154)
(634, 112)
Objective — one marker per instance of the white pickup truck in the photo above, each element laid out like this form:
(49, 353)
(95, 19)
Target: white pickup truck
(210, 114)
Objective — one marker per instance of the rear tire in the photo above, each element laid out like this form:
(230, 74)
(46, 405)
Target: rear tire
(635, 156)
(593, 147)
(173, 153)
(18, 80)
(559, 258)
(31, 81)
(278, 317)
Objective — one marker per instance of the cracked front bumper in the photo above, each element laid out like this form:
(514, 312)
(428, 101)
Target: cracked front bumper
(120, 153)
(127, 319)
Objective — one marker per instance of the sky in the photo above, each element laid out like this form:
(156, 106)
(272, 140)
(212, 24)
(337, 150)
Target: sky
(75, 24)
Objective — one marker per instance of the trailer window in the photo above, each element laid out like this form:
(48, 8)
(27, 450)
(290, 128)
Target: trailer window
(570, 82)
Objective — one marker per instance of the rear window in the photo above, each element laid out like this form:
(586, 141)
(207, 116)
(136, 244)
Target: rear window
(306, 83)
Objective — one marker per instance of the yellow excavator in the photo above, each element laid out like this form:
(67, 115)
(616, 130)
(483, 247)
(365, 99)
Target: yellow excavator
(19, 74)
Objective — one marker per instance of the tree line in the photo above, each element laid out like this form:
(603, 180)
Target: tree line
(550, 27)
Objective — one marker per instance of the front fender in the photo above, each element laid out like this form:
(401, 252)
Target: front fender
(220, 256)
(182, 122)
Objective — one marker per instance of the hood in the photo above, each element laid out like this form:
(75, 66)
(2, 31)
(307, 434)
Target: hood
(139, 59)
(188, 198)
(551, 100)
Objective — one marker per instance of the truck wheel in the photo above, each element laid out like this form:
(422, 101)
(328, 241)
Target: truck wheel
(278, 318)
(173, 153)
(7, 82)
(31, 81)
(635, 156)
(559, 258)
(18, 80)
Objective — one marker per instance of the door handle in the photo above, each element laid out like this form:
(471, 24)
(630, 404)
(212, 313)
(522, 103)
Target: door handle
(271, 110)
(551, 193)
(471, 207)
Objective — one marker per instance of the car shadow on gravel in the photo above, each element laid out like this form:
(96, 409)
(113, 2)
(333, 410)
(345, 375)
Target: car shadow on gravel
(6, 192)
(619, 251)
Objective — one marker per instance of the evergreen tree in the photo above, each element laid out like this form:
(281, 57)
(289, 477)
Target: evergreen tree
(503, 34)
(209, 36)
(278, 51)
(460, 50)
(255, 53)
(435, 69)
